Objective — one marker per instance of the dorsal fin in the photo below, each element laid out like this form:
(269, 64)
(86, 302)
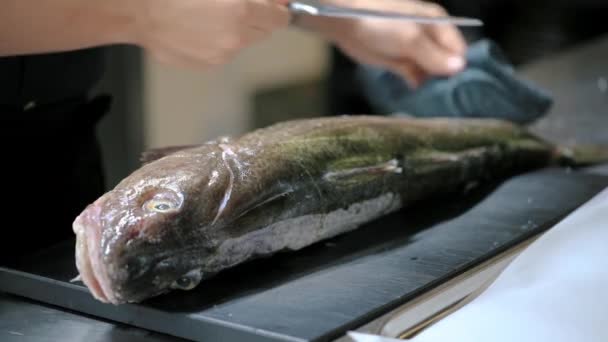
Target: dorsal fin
(153, 154)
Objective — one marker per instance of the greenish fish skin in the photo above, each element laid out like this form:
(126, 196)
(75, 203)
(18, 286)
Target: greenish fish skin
(194, 212)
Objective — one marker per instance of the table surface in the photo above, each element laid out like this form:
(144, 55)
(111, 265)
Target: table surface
(578, 80)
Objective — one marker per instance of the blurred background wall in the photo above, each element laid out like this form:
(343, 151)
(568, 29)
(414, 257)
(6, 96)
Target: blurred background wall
(156, 105)
(183, 106)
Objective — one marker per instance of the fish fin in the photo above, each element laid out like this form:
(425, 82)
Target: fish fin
(153, 154)
(390, 166)
(267, 199)
(582, 155)
(402, 115)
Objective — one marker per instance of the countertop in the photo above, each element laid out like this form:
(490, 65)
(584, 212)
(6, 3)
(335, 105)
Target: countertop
(578, 79)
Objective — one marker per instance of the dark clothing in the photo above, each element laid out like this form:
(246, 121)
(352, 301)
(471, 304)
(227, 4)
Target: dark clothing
(344, 89)
(524, 30)
(52, 162)
(48, 78)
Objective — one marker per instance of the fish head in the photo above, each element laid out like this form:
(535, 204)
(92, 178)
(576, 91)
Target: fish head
(147, 236)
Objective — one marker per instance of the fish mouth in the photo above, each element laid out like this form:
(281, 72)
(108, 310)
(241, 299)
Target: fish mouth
(88, 255)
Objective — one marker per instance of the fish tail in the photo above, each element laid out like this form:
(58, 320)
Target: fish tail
(581, 155)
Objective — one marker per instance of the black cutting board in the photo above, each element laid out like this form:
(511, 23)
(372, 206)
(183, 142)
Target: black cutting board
(320, 292)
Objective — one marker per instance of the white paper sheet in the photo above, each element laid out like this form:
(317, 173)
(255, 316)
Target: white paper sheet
(556, 290)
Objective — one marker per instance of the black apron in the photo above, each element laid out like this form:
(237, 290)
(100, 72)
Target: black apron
(51, 165)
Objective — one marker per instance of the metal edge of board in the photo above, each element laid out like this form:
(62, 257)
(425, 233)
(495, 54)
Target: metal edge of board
(33, 286)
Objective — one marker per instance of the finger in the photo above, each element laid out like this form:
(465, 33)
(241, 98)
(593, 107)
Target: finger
(413, 74)
(409, 71)
(267, 14)
(432, 57)
(448, 36)
(406, 69)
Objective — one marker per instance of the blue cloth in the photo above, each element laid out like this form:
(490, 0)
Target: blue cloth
(488, 87)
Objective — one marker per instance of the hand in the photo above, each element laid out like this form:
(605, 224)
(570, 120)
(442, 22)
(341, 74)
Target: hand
(412, 50)
(197, 33)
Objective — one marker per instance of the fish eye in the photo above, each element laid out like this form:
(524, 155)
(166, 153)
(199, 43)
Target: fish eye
(161, 200)
(183, 283)
(188, 281)
(159, 205)
(162, 206)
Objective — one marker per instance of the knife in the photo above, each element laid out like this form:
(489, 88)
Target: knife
(313, 7)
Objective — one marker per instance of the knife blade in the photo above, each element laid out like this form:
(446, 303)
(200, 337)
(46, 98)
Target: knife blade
(317, 9)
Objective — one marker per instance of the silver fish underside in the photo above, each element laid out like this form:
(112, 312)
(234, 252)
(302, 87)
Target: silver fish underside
(299, 232)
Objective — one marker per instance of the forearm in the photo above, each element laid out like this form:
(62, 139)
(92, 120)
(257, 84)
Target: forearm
(38, 26)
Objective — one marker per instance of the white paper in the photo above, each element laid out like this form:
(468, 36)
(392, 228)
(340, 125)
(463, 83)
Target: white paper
(556, 290)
